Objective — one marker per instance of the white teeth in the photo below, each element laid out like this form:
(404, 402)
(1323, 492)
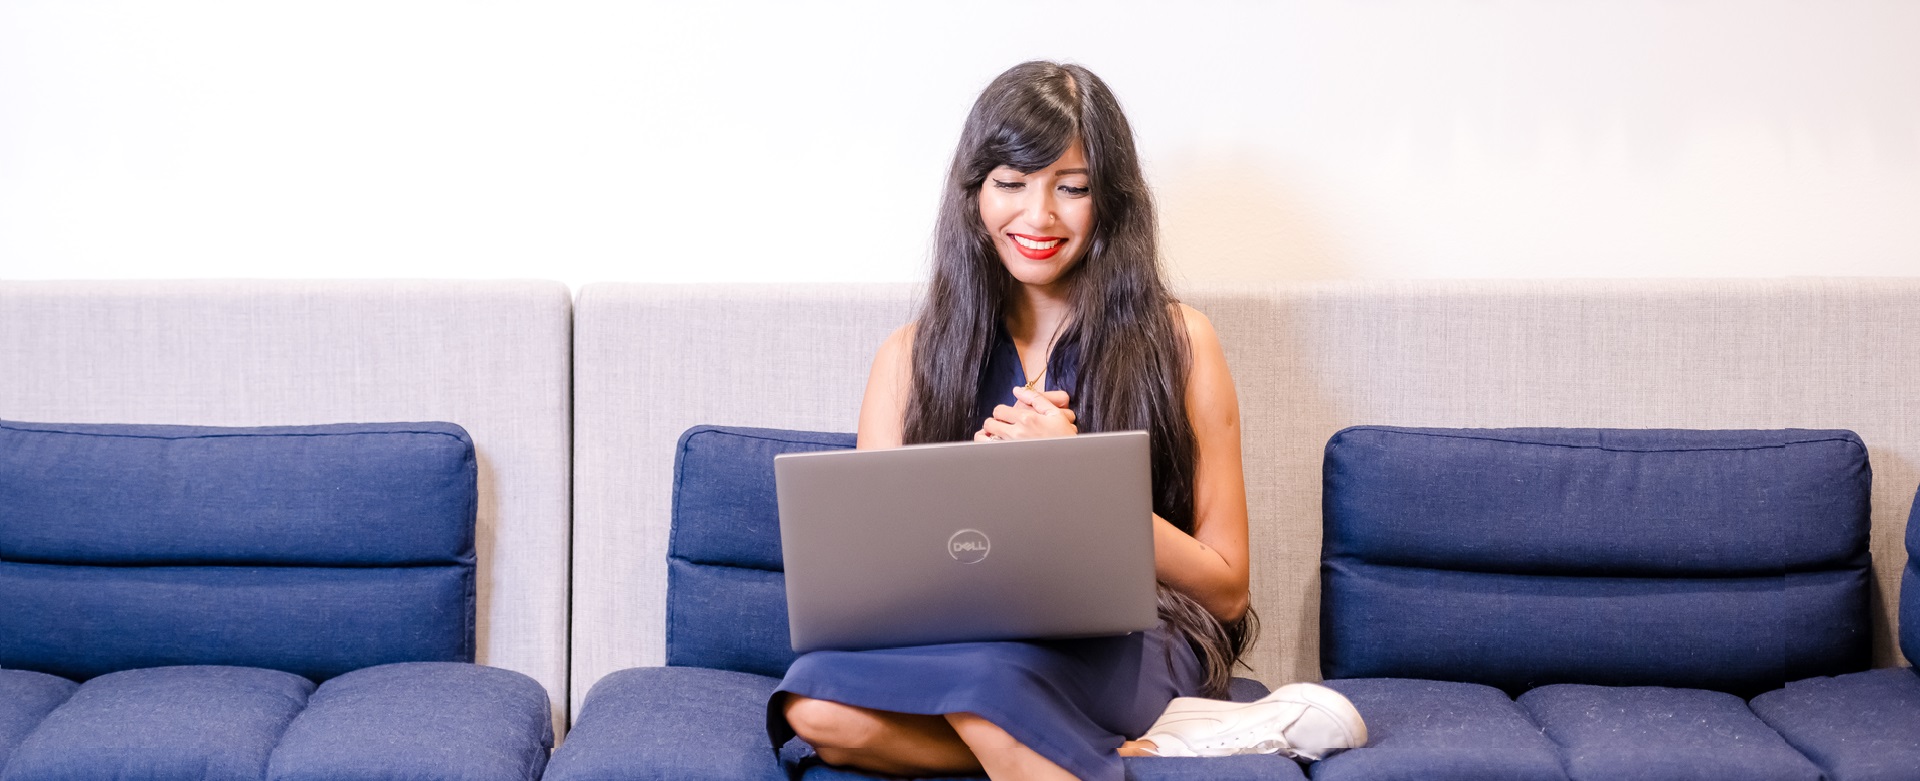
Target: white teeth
(1031, 244)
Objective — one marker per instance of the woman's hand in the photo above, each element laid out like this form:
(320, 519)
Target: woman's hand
(1034, 415)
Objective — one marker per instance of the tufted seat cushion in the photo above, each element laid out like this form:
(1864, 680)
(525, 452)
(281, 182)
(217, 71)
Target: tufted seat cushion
(212, 723)
(444, 721)
(671, 723)
(25, 700)
(1613, 732)
(1440, 731)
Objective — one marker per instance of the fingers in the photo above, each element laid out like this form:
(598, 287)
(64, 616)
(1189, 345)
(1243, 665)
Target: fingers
(1035, 399)
(982, 436)
(1058, 397)
(996, 428)
(1006, 413)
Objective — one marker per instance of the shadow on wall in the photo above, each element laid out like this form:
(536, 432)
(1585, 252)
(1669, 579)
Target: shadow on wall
(1229, 217)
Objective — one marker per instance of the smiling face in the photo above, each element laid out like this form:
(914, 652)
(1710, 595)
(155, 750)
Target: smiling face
(1040, 222)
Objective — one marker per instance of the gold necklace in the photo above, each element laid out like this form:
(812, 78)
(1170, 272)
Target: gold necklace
(1048, 359)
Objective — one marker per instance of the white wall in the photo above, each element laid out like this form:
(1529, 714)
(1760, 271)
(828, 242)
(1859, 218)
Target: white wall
(723, 141)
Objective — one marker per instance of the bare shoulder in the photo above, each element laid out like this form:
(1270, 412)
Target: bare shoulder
(883, 408)
(1201, 337)
(897, 349)
(1210, 397)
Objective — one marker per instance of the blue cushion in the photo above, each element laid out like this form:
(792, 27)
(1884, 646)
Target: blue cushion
(25, 700)
(1653, 556)
(671, 723)
(1653, 733)
(1440, 731)
(162, 724)
(422, 721)
(354, 494)
(726, 599)
(1520, 631)
(1858, 727)
(724, 507)
(1244, 768)
(727, 618)
(79, 622)
(1614, 501)
(310, 549)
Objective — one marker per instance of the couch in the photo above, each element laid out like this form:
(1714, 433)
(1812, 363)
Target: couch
(1309, 359)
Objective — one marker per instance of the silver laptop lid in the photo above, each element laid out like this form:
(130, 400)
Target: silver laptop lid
(956, 542)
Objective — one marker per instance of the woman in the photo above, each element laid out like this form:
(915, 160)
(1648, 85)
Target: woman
(1047, 316)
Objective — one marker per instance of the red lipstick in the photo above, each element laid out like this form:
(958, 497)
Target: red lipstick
(1047, 246)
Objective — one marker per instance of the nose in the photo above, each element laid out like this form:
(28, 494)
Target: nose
(1038, 209)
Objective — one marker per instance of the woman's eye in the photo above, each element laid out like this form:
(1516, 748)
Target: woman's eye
(1074, 191)
(1008, 186)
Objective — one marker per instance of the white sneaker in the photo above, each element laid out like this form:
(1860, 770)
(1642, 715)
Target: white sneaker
(1301, 720)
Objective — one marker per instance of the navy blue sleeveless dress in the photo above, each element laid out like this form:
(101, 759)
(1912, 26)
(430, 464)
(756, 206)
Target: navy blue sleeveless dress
(1072, 701)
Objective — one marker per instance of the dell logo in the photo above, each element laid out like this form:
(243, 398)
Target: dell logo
(968, 546)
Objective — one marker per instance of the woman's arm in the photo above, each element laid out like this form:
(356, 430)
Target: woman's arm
(1210, 565)
(883, 411)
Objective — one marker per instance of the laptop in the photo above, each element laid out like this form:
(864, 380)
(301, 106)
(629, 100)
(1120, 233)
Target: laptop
(967, 541)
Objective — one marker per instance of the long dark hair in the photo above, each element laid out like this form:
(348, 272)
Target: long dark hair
(1130, 337)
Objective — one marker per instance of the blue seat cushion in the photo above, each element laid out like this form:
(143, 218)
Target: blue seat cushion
(1440, 731)
(25, 700)
(1732, 560)
(671, 723)
(163, 724)
(1858, 727)
(422, 721)
(310, 549)
(726, 596)
(1655, 733)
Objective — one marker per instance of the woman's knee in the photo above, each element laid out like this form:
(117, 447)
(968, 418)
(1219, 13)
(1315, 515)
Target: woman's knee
(830, 725)
(980, 734)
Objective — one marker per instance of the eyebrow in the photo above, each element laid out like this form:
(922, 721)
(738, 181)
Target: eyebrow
(1064, 172)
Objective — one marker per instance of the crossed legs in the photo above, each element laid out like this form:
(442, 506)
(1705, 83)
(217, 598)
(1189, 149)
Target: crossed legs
(904, 744)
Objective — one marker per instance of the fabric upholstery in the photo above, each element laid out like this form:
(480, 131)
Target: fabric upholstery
(1612, 502)
(137, 546)
(79, 622)
(334, 495)
(727, 605)
(1654, 734)
(164, 724)
(671, 724)
(1858, 727)
(1440, 731)
(728, 618)
(1731, 560)
(1744, 635)
(422, 721)
(491, 356)
(25, 699)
